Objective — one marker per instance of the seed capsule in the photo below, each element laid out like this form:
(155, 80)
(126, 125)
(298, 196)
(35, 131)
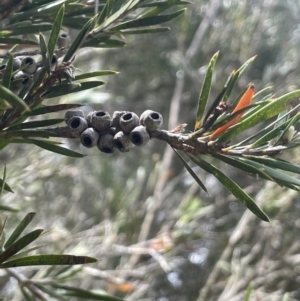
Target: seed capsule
(129, 121)
(99, 120)
(63, 40)
(151, 120)
(31, 65)
(116, 118)
(71, 113)
(77, 125)
(16, 64)
(139, 136)
(106, 144)
(89, 138)
(122, 142)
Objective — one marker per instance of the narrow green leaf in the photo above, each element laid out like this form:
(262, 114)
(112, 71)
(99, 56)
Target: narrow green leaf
(3, 184)
(52, 109)
(64, 89)
(17, 41)
(49, 259)
(230, 84)
(19, 229)
(110, 43)
(13, 99)
(30, 133)
(103, 15)
(148, 21)
(234, 76)
(265, 129)
(35, 124)
(34, 28)
(280, 177)
(96, 73)
(111, 19)
(262, 91)
(6, 186)
(159, 7)
(276, 163)
(248, 293)
(26, 252)
(245, 65)
(163, 3)
(2, 230)
(232, 187)
(62, 270)
(26, 295)
(97, 40)
(78, 40)
(3, 181)
(20, 244)
(31, 141)
(7, 208)
(265, 139)
(243, 165)
(57, 296)
(45, 54)
(4, 33)
(191, 172)
(56, 149)
(85, 294)
(18, 24)
(55, 31)
(268, 111)
(291, 122)
(37, 81)
(215, 104)
(42, 9)
(145, 30)
(8, 72)
(76, 23)
(205, 91)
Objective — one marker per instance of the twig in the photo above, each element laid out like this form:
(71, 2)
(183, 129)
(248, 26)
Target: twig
(23, 281)
(31, 52)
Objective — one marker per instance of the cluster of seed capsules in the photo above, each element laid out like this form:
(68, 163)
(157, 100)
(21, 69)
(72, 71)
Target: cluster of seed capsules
(122, 131)
(24, 67)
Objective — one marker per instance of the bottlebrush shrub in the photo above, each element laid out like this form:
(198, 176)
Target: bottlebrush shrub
(45, 69)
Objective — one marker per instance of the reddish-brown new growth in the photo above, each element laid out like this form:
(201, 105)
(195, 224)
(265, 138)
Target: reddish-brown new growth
(244, 101)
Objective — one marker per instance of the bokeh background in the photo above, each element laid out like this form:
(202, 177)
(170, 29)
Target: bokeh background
(159, 237)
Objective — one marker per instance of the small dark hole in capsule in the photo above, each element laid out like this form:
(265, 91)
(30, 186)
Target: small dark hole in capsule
(54, 59)
(100, 114)
(25, 81)
(75, 123)
(28, 60)
(127, 116)
(64, 35)
(154, 116)
(136, 139)
(119, 145)
(3, 67)
(107, 150)
(87, 141)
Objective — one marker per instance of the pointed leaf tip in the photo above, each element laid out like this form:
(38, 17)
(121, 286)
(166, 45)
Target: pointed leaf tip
(205, 91)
